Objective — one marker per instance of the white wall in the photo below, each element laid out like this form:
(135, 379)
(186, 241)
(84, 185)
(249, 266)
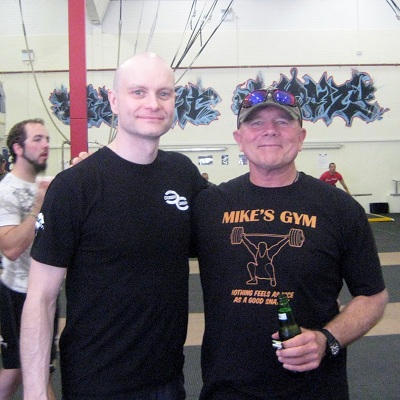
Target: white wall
(267, 37)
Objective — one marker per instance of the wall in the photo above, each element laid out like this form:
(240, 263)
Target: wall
(265, 38)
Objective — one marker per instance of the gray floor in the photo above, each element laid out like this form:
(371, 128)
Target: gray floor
(373, 362)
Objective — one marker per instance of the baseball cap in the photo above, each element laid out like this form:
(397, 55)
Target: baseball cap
(269, 97)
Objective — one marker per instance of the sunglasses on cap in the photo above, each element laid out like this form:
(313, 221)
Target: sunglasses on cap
(281, 97)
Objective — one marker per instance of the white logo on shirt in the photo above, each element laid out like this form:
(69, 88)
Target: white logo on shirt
(171, 197)
(39, 223)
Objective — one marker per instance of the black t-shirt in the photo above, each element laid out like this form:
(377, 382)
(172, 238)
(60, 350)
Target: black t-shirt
(122, 230)
(304, 239)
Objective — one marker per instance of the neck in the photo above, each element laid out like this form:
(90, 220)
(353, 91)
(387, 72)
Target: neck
(23, 170)
(273, 178)
(136, 151)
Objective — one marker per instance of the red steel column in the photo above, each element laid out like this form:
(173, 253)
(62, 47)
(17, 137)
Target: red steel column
(77, 76)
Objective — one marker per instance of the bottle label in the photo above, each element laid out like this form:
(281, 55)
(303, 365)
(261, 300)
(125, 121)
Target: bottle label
(282, 316)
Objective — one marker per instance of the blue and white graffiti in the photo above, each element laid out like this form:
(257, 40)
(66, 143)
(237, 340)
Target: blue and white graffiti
(321, 100)
(99, 109)
(98, 106)
(60, 100)
(195, 105)
(325, 100)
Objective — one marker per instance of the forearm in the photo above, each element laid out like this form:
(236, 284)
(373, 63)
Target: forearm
(36, 336)
(358, 317)
(37, 327)
(345, 186)
(16, 239)
(305, 352)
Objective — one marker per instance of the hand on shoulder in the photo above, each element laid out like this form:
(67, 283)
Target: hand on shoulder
(82, 155)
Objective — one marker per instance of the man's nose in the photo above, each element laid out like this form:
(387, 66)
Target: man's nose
(270, 129)
(152, 101)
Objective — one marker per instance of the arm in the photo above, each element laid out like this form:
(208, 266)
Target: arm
(360, 315)
(37, 327)
(345, 186)
(305, 352)
(15, 239)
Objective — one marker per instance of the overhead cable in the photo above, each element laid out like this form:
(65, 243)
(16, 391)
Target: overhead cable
(227, 11)
(138, 30)
(150, 38)
(202, 19)
(188, 22)
(394, 7)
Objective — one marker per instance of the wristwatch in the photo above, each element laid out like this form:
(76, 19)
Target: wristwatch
(332, 345)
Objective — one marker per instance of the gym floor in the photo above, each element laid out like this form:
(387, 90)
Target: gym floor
(373, 361)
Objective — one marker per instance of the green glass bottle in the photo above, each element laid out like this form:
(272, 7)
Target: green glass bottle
(288, 327)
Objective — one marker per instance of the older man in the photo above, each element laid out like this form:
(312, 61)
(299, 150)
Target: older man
(275, 230)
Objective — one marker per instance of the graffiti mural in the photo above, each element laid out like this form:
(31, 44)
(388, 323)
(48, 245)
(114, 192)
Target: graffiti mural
(60, 100)
(195, 105)
(99, 109)
(241, 92)
(324, 100)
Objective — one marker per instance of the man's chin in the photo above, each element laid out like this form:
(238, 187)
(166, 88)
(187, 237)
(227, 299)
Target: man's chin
(154, 135)
(40, 167)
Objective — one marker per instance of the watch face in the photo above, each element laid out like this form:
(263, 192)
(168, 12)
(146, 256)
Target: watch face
(332, 345)
(335, 348)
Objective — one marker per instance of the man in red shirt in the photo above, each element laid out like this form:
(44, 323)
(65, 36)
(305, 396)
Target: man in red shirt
(332, 177)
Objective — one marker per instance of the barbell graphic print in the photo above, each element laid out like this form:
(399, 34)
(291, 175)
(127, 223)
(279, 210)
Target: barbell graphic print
(295, 236)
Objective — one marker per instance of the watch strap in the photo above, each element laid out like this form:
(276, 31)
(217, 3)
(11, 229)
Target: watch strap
(332, 345)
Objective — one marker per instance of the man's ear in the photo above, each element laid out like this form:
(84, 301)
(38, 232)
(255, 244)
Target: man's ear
(18, 149)
(112, 98)
(302, 136)
(238, 138)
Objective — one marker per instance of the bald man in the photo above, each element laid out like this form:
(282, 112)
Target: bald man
(118, 225)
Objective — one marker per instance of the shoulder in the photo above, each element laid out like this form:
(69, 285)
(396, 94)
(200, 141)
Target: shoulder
(86, 166)
(323, 176)
(174, 157)
(6, 180)
(10, 184)
(234, 184)
(226, 191)
(178, 164)
(4, 184)
(82, 177)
